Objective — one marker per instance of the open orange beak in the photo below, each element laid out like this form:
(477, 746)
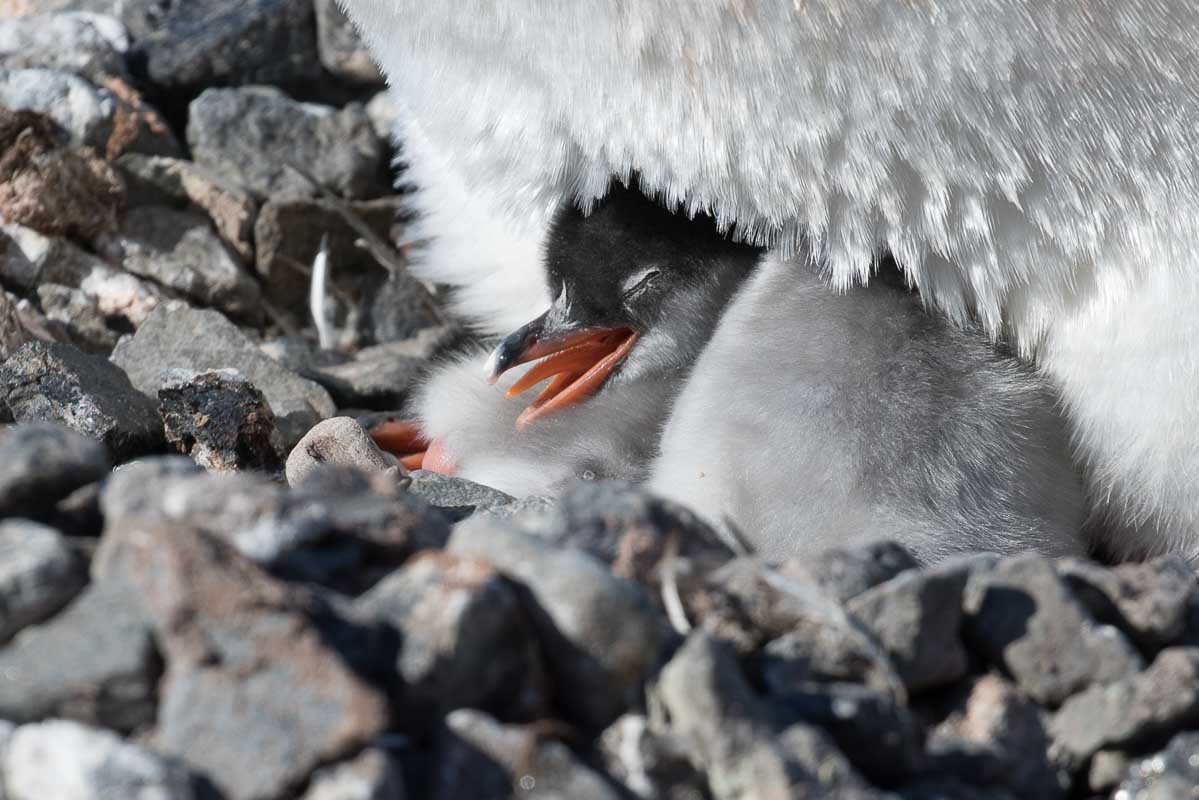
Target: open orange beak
(577, 361)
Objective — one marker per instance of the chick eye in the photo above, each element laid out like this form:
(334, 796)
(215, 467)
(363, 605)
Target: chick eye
(639, 282)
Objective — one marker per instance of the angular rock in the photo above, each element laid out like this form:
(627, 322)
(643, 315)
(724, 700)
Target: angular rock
(370, 775)
(1133, 711)
(464, 640)
(90, 45)
(179, 250)
(379, 377)
(600, 632)
(726, 731)
(827, 653)
(647, 764)
(338, 441)
(48, 186)
(917, 618)
(400, 308)
(1172, 773)
(342, 52)
(221, 42)
(162, 181)
(13, 333)
(1148, 601)
(480, 757)
(996, 738)
(59, 383)
(457, 498)
(39, 574)
(263, 140)
(42, 464)
(30, 260)
(80, 315)
(110, 118)
(175, 336)
(337, 527)
(221, 420)
(95, 663)
(254, 696)
(1021, 616)
(846, 572)
(66, 760)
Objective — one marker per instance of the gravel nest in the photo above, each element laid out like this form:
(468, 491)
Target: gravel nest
(213, 584)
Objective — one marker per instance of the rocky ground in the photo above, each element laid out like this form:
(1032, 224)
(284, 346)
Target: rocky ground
(214, 585)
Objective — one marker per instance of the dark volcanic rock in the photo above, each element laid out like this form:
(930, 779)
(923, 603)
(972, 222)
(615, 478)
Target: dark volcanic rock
(175, 336)
(337, 527)
(846, 572)
(917, 618)
(59, 383)
(39, 574)
(221, 420)
(64, 759)
(1131, 712)
(464, 641)
(1169, 775)
(996, 738)
(600, 632)
(50, 187)
(342, 52)
(726, 731)
(90, 45)
(95, 662)
(337, 441)
(1147, 601)
(1021, 616)
(179, 250)
(41, 464)
(219, 42)
(481, 758)
(260, 138)
(370, 775)
(254, 696)
(161, 181)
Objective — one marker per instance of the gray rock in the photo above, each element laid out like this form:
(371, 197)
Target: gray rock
(41, 464)
(824, 651)
(649, 765)
(370, 775)
(337, 527)
(458, 498)
(464, 641)
(39, 574)
(13, 332)
(1168, 775)
(80, 315)
(342, 52)
(1021, 616)
(337, 441)
(94, 116)
(1107, 769)
(600, 632)
(379, 377)
(95, 662)
(59, 383)
(222, 42)
(725, 729)
(161, 181)
(90, 45)
(221, 420)
(846, 572)
(400, 308)
(254, 696)
(1163, 698)
(917, 617)
(1147, 601)
(179, 250)
(175, 336)
(482, 758)
(69, 761)
(258, 137)
(993, 737)
(29, 260)
(384, 114)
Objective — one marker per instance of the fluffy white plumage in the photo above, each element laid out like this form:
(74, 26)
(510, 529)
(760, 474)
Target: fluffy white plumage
(1028, 162)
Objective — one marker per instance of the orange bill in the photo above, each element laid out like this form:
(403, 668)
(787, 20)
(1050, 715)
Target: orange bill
(578, 369)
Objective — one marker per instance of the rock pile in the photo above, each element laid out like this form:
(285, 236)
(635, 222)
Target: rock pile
(213, 584)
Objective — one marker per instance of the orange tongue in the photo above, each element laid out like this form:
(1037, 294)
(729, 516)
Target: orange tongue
(578, 370)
